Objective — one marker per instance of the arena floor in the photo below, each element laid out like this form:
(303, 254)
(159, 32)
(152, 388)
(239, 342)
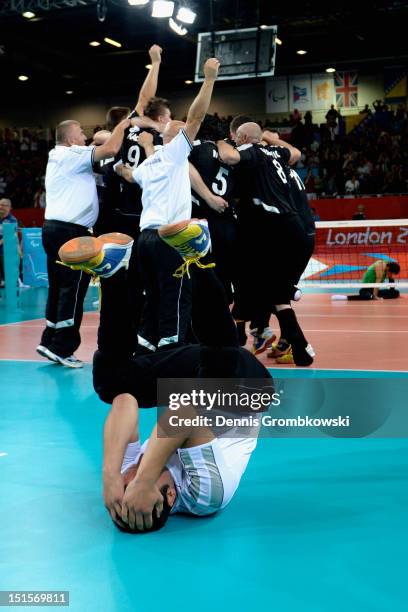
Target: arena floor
(317, 524)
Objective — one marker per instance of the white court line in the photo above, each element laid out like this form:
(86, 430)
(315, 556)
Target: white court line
(3, 454)
(349, 316)
(360, 331)
(267, 367)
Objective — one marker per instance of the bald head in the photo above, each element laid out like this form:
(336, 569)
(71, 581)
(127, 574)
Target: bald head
(171, 130)
(249, 133)
(69, 132)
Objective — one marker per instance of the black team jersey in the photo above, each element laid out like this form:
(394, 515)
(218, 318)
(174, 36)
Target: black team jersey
(108, 188)
(301, 202)
(132, 154)
(265, 182)
(218, 177)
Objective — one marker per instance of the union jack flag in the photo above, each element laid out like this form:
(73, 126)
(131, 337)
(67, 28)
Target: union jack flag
(346, 89)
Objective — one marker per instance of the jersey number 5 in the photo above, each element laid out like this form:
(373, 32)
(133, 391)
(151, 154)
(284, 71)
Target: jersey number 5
(219, 186)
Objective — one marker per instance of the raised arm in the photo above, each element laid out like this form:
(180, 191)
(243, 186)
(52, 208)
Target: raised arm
(201, 103)
(149, 87)
(215, 202)
(272, 138)
(112, 146)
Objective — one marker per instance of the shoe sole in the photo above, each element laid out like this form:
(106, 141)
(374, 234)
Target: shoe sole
(115, 238)
(69, 365)
(80, 250)
(44, 352)
(175, 228)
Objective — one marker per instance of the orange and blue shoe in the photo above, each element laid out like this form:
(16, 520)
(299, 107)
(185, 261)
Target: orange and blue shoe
(192, 241)
(102, 256)
(263, 341)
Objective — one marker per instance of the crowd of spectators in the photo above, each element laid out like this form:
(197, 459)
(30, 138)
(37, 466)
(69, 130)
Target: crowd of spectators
(23, 158)
(372, 158)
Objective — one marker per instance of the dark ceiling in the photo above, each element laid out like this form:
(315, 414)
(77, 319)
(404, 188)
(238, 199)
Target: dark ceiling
(53, 50)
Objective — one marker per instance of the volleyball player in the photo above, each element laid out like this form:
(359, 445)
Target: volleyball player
(269, 211)
(219, 179)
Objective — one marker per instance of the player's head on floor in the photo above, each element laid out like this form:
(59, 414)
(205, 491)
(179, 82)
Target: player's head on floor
(171, 130)
(392, 268)
(158, 109)
(167, 488)
(248, 133)
(236, 122)
(70, 132)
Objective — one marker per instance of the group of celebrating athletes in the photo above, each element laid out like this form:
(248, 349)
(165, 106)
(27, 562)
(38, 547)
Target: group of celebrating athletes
(188, 224)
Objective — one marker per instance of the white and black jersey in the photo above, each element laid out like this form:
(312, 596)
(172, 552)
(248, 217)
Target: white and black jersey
(218, 177)
(265, 180)
(107, 181)
(301, 202)
(132, 155)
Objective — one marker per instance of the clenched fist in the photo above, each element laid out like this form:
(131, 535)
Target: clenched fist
(155, 54)
(211, 67)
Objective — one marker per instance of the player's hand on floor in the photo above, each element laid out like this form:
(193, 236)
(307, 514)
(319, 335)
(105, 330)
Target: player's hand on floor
(139, 501)
(113, 491)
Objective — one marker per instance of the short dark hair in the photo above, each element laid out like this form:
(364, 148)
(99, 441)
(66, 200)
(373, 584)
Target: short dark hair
(239, 120)
(155, 107)
(158, 523)
(115, 115)
(394, 267)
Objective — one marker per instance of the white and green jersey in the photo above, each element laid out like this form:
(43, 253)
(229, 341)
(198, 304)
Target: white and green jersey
(206, 476)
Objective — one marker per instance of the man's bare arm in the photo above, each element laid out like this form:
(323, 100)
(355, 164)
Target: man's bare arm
(228, 153)
(215, 202)
(121, 428)
(112, 146)
(145, 140)
(201, 103)
(149, 87)
(272, 138)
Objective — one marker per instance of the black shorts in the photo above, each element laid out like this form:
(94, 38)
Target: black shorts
(138, 376)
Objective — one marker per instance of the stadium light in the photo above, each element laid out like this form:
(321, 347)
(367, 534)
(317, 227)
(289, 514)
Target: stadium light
(148, 66)
(112, 42)
(330, 70)
(301, 52)
(138, 2)
(186, 15)
(188, 82)
(278, 40)
(177, 27)
(69, 92)
(94, 43)
(28, 15)
(23, 77)
(162, 8)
